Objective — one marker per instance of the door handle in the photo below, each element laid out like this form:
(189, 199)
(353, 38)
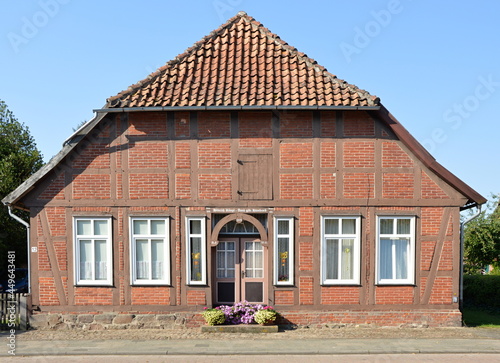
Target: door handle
(242, 274)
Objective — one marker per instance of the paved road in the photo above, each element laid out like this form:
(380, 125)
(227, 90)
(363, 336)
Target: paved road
(353, 358)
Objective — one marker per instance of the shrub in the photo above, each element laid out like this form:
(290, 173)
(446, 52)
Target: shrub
(265, 316)
(482, 290)
(214, 316)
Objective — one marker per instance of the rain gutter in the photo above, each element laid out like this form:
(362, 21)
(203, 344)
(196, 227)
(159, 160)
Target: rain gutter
(26, 224)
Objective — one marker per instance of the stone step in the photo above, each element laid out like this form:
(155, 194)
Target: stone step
(241, 328)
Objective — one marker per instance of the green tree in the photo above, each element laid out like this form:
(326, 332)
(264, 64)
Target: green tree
(482, 239)
(19, 158)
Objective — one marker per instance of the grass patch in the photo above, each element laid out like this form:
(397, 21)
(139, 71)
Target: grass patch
(481, 317)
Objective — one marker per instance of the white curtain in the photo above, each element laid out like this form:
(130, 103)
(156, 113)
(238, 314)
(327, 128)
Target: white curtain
(402, 258)
(385, 258)
(332, 257)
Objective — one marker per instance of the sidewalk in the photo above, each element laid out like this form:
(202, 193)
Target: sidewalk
(254, 347)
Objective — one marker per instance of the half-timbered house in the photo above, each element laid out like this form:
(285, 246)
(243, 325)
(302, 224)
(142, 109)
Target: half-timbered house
(243, 170)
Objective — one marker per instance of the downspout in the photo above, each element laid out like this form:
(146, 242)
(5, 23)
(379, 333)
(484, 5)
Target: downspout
(27, 242)
(462, 227)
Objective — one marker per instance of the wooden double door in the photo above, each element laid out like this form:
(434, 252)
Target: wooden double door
(240, 271)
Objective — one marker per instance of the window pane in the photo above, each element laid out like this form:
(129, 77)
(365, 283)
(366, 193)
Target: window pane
(141, 227)
(385, 258)
(347, 262)
(196, 257)
(158, 227)
(142, 258)
(348, 226)
(332, 259)
(100, 228)
(84, 228)
(402, 247)
(331, 226)
(283, 227)
(195, 226)
(85, 260)
(157, 257)
(100, 259)
(403, 226)
(386, 226)
(283, 259)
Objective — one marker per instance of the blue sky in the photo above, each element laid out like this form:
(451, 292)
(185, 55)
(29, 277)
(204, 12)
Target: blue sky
(435, 65)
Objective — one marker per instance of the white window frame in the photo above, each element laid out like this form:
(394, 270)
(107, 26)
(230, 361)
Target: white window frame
(149, 237)
(290, 257)
(356, 253)
(203, 257)
(410, 280)
(92, 237)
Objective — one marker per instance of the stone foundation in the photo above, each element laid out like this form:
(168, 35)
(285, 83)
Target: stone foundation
(113, 321)
(182, 320)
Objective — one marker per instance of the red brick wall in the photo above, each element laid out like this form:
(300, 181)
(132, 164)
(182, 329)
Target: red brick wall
(47, 291)
(147, 124)
(148, 155)
(214, 124)
(182, 155)
(328, 187)
(328, 154)
(398, 185)
(296, 124)
(358, 124)
(182, 124)
(150, 295)
(214, 155)
(296, 155)
(92, 186)
(359, 185)
(296, 186)
(150, 185)
(306, 290)
(328, 124)
(255, 130)
(93, 296)
(430, 190)
(196, 297)
(55, 190)
(339, 295)
(283, 297)
(214, 186)
(442, 290)
(359, 154)
(389, 295)
(182, 186)
(94, 156)
(394, 157)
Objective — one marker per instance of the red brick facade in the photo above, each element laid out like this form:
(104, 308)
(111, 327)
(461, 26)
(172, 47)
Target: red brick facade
(147, 170)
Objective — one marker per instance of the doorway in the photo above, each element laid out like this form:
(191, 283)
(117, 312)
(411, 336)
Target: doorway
(240, 271)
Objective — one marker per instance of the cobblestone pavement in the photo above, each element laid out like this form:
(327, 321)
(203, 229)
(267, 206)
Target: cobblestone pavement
(324, 332)
(354, 358)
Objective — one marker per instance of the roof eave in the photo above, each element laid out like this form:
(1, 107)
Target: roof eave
(473, 197)
(14, 198)
(236, 108)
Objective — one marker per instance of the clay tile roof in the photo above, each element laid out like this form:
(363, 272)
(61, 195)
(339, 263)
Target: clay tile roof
(242, 64)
